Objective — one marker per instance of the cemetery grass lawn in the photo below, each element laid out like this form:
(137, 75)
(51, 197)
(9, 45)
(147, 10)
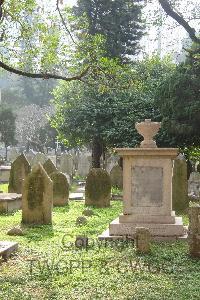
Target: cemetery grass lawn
(47, 268)
(4, 187)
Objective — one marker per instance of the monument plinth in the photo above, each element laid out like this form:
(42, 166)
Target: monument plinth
(147, 188)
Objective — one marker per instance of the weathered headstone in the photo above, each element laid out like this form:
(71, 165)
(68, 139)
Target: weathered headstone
(37, 198)
(194, 231)
(98, 188)
(60, 189)
(179, 185)
(53, 159)
(194, 184)
(189, 168)
(12, 154)
(49, 166)
(116, 176)
(38, 158)
(143, 239)
(111, 162)
(20, 168)
(84, 164)
(66, 164)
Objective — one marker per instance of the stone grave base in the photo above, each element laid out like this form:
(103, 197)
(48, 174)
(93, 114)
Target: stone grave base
(7, 248)
(10, 202)
(159, 232)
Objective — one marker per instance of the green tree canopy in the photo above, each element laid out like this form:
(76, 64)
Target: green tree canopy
(120, 22)
(7, 127)
(178, 98)
(105, 112)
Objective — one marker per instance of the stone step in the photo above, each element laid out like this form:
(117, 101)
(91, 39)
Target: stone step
(7, 248)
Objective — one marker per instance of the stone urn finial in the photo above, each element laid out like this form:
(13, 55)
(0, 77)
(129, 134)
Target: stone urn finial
(148, 130)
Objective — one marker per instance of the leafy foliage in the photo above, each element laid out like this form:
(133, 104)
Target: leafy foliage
(120, 22)
(110, 105)
(7, 127)
(178, 98)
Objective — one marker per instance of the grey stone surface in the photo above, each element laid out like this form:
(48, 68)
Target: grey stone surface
(37, 199)
(4, 173)
(194, 231)
(49, 166)
(142, 240)
(116, 176)
(66, 164)
(60, 189)
(147, 186)
(38, 158)
(81, 220)
(10, 202)
(180, 185)
(7, 248)
(20, 168)
(15, 231)
(194, 184)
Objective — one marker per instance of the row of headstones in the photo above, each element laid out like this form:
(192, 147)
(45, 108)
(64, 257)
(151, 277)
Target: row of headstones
(67, 163)
(71, 164)
(21, 171)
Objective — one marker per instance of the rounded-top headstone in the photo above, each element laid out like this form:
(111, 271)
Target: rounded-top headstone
(98, 188)
(60, 189)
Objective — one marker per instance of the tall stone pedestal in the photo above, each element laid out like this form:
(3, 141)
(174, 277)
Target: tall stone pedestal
(147, 193)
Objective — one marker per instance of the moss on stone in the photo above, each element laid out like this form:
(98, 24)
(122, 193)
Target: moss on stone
(98, 188)
(60, 183)
(49, 166)
(35, 189)
(20, 168)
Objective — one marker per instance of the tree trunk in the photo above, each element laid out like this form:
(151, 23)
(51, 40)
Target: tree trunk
(96, 153)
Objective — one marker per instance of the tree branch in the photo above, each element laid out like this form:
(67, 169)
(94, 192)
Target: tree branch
(178, 18)
(63, 21)
(1, 9)
(42, 75)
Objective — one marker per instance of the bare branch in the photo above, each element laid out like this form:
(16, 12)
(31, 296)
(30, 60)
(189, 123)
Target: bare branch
(178, 18)
(63, 22)
(42, 75)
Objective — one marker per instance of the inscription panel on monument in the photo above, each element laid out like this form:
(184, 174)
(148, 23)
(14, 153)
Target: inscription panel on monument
(146, 186)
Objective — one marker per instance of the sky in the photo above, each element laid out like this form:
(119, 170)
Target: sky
(164, 40)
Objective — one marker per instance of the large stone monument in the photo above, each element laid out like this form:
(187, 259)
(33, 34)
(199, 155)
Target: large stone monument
(147, 189)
